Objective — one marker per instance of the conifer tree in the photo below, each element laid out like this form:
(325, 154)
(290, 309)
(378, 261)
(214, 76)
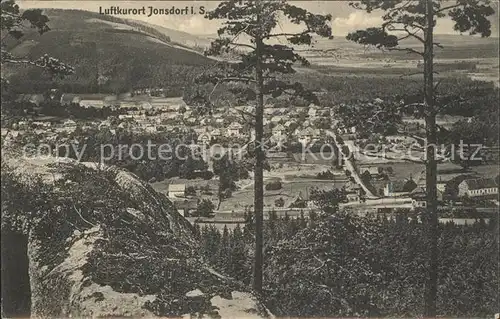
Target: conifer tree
(238, 258)
(417, 20)
(302, 220)
(259, 67)
(224, 249)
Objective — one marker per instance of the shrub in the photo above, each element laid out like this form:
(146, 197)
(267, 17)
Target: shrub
(327, 175)
(207, 175)
(205, 208)
(272, 186)
(366, 177)
(190, 191)
(280, 202)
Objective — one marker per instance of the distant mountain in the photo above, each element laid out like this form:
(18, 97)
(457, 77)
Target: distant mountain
(110, 55)
(113, 55)
(455, 47)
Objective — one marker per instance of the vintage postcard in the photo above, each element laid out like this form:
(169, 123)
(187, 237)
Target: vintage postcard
(250, 159)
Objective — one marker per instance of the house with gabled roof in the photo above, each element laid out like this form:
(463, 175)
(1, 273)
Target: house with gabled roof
(204, 138)
(278, 130)
(353, 191)
(104, 125)
(191, 120)
(68, 99)
(91, 103)
(216, 133)
(200, 130)
(151, 128)
(128, 104)
(276, 119)
(69, 126)
(234, 129)
(269, 111)
(176, 190)
(306, 135)
(399, 188)
(146, 105)
(372, 170)
(476, 187)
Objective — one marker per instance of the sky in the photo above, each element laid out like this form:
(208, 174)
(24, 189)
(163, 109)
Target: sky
(345, 18)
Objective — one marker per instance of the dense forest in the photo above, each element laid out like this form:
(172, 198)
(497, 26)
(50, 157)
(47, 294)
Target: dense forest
(106, 59)
(348, 266)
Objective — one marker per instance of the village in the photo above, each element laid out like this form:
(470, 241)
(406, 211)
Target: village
(250, 159)
(301, 153)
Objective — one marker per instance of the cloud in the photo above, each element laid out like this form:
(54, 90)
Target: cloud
(355, 21)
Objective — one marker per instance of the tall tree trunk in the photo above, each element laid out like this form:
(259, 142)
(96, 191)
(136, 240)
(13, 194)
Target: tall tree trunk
(431, 168)
(259, 172)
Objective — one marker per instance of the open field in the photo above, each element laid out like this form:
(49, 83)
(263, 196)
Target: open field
(289, 192)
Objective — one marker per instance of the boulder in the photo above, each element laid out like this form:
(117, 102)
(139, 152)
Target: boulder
(102, 243)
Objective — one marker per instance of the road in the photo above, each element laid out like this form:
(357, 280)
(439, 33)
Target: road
(349, 165)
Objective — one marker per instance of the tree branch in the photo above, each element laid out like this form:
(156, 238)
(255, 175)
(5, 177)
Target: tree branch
(287, 34)
(409, 50)
(242, 45)
(243, 113)
(237, 79)
(447, 8)
(413, 34)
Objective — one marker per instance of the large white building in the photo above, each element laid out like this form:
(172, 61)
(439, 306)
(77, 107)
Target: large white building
(478, 187)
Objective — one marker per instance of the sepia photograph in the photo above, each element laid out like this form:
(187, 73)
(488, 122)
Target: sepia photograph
(252, 159)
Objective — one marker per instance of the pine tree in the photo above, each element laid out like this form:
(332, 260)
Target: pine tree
(197, 230)
(238, 258)
(206, 241)
(417, 20)
(258, 69)
(212, 244)
(293, 226)
(302, 220)
(224, 249)
(272, 222)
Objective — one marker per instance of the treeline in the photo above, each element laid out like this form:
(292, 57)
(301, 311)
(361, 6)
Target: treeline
(458, 96)
(141, 27)
(342, 87)
(344, 265)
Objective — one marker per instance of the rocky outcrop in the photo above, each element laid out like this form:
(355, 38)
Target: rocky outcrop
(103, 243)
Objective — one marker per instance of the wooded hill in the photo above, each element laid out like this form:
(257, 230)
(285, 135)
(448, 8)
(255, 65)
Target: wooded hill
(110, 55)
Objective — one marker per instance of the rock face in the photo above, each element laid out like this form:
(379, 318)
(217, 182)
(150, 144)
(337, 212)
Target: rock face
(101, 243)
